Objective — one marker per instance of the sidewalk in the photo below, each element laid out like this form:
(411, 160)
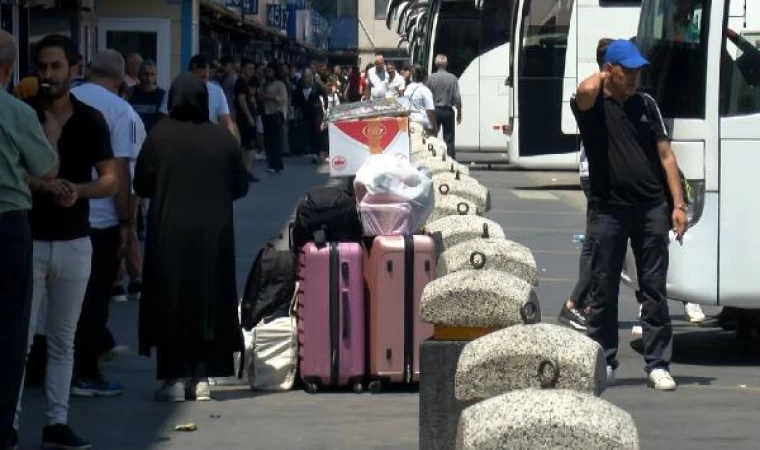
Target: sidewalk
(239, 418)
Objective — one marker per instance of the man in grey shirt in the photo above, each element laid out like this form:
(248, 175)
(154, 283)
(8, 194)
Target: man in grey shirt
(24, 149)
(445, 88)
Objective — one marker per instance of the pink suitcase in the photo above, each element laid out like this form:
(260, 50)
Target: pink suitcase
(331, 316)
(397, 270)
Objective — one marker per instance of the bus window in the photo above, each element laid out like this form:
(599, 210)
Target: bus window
(740, 76)
(496, 30)
(544, 46)
(673, 37)
(458, 34)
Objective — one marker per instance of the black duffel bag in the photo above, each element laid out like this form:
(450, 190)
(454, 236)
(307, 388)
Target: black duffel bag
(327, 214)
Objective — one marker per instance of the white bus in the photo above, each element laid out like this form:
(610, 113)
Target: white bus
(475, 35)
(553, 50)
(705, 74)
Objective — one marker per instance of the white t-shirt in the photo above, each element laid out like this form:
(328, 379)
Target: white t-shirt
(395, 87)
(377, 82)
(217, 103)
(420, 101)
(583, 162)
(127, 136)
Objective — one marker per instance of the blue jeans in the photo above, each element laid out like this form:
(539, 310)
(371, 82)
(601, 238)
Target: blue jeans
(15, 307)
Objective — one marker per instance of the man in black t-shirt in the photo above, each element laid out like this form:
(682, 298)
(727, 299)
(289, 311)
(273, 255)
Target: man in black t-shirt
(245, 105)
(147, 97)
(60, 225)
(632, 172)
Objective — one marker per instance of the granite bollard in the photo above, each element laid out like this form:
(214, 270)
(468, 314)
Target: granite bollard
(509, 359)
(491, 254)
(452, 230)
(475, 194)
(464, 186)
(439, 408)
(442, 164)
(546, 419)
(484, 299)
(450, 205)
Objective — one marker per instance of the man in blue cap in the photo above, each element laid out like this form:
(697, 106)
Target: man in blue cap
(635, 193)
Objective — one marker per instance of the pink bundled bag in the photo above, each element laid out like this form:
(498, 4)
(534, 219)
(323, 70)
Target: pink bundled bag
(394, 197)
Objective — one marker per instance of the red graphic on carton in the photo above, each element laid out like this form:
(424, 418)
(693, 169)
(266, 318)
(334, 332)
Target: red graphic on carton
(377, 135)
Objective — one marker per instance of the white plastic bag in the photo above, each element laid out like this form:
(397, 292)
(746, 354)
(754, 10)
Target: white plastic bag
(394, 197)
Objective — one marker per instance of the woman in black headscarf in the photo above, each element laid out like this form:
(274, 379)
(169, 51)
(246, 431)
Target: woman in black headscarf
(192, 171)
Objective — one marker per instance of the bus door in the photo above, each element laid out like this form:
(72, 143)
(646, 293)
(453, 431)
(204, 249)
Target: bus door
(739, 262)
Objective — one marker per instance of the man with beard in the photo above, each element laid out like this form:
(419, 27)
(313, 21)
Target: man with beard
(60, 226)
(24, 148)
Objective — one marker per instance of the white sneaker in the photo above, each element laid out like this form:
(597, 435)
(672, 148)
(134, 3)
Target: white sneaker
(694, 312)
(611, 377)
(661, 380)
(198, 390)
(637, 329)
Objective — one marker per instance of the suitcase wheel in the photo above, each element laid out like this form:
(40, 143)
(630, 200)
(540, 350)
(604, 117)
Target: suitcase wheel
(376, 387)
(358, 388)
(312, 387)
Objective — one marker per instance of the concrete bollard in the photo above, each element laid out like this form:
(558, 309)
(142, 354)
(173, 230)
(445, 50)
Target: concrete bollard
(452, 230)
(464, 186)
(485, 299)
(509, 359)
(489, 254)
(439, 408)
(442, 164)
(546, 419)
(450, 205)
(475, 194)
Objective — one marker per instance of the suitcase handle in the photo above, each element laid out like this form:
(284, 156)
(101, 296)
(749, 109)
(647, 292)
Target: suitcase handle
(444, 189)
(478, 260)
(548, 378)
(344, 271)
(463, 209)
(346, 313)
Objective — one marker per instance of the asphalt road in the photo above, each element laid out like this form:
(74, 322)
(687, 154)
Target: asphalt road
(715, 407)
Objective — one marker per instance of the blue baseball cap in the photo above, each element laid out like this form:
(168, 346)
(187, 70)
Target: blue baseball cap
(624, 53)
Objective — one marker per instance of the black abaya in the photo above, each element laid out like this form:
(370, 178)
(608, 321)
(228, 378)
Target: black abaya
(192, 171)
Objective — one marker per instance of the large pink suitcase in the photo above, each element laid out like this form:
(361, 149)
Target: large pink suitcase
(397, 270)
(331, 316)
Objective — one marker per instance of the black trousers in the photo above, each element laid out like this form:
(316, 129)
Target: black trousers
(311, 135)
(609, 228)
(583, 285)
(93, 336)
(15, 308)
(446, 119)
(274, 139)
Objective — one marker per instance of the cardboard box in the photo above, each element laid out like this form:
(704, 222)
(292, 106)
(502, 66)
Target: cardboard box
(352, 141)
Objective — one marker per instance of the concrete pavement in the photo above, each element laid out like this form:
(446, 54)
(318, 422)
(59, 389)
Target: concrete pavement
(540, 210)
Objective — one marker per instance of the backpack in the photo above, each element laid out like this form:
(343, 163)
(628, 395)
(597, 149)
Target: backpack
(270, 285)
(327, 214)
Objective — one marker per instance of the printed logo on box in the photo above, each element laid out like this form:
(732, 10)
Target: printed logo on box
(375, 134)
(339, 163)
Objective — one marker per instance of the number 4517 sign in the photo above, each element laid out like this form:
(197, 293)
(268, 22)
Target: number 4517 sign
(277, 16)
